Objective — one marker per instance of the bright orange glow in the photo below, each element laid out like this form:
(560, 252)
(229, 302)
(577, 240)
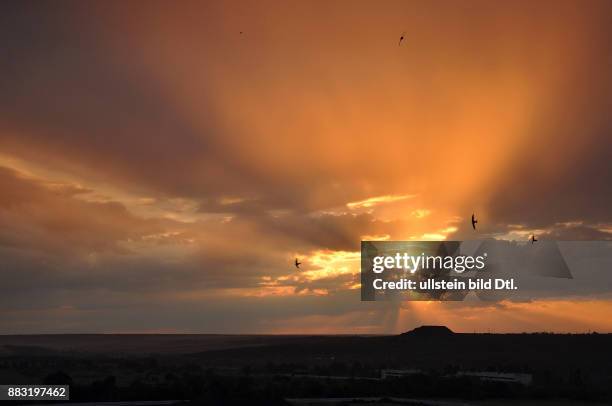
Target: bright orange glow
(184, 157)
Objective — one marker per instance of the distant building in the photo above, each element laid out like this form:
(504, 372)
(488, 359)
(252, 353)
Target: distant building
(523, 379)
(398, 373)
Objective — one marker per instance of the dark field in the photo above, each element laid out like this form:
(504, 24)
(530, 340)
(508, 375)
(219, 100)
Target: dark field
(133, 343)
(251, 369)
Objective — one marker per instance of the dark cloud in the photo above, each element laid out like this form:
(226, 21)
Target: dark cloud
(576, 233)
(97, 110)
(45, 217)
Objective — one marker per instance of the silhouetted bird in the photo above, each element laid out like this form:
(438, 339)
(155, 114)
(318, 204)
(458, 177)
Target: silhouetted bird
(401, 39)
(474, 221)
(297, 263)
(533, 239)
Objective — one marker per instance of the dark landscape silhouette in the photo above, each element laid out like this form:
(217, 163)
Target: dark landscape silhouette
(427, 362)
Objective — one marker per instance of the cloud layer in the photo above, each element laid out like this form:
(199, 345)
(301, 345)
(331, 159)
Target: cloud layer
(160, 171)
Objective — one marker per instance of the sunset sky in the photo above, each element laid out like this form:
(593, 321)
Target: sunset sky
(162, 164)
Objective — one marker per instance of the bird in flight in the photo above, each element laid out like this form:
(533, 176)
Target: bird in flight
(474, 221)
(401, 39)
(297, 263)
(533, 239)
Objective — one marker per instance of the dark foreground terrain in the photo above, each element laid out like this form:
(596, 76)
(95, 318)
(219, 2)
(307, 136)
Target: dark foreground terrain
(429, 363)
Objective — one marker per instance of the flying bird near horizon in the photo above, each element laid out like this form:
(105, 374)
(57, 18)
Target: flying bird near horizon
(297, 263)
(401, 39)
(474, 221)
(533, 238)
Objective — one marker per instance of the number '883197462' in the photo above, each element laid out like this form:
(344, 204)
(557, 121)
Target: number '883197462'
(34, 392)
